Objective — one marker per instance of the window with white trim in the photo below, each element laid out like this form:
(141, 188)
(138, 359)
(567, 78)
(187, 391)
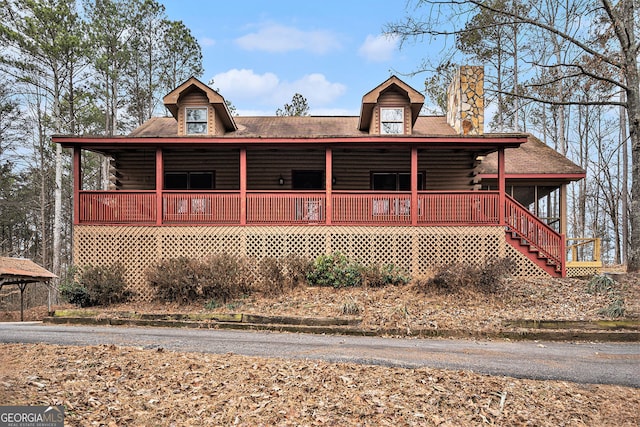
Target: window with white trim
(196, 121)
(392, 121)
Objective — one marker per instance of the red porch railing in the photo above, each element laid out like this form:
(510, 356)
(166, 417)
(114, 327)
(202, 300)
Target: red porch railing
(286, 208)
(117, 207)
(289, 207)
(534, 232)
(371, 208)
(458, 208)
(201, 208)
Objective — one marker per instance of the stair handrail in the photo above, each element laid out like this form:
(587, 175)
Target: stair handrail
(534, 231)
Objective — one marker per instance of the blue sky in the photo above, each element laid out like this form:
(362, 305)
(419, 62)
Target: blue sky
(260, 52)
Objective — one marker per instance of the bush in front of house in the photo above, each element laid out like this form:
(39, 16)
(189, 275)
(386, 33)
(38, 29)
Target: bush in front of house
(280, 275)
(459, 277)
(378, 276)
(335, 270)
(76, 294)
(224, 277)
(105, 284)
(96, 285)
(175, 279)
(218, 277)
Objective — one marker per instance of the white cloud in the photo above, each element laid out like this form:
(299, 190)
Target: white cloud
(262, 94)
(379, 48)
(207, 42)
(275, 38)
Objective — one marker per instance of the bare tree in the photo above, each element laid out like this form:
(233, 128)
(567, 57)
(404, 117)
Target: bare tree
(603, 38)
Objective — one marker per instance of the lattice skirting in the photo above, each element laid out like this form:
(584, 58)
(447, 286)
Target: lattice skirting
(417, 249)
(583, 271)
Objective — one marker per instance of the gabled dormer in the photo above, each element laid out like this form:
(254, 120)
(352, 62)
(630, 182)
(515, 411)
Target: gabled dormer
(199, 110)
(390, 109)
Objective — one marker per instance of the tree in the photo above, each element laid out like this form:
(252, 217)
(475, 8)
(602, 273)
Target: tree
(604, 47)
(180, 54)
(46, 53)
(298, 107)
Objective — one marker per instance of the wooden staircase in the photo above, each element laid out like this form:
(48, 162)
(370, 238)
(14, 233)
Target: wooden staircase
(535, 239)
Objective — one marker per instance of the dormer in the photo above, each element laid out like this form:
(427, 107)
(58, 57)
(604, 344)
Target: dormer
(199, 110)
(390, 109)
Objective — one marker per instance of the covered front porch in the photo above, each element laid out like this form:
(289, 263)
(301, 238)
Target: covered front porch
(303, 185)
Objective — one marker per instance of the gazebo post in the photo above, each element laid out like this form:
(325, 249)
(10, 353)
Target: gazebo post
(22, 287)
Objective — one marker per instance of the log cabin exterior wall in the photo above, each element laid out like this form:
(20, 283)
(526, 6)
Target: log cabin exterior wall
(224, 163)
(134, 170)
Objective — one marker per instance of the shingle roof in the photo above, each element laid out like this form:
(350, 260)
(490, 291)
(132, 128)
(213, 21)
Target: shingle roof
(532, 157)
(23, 268)
(293, 127)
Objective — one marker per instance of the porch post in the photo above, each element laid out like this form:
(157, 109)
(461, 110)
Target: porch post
(159, 184)
(414, 186)
(328, 160)
(502, 188)
(77, 183)
(563, 209)
(243, 186)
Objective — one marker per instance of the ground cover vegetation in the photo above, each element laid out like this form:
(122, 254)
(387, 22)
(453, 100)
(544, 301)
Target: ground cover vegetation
(455, 296)
(115, 386)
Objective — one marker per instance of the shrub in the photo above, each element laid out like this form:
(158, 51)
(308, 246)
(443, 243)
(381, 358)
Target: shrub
(600, 284)
(350, 308)
(494, 273)
(74, 293)
(272, 276)
(95, 285)
(458, 277)
(296, 268)
(335, 270)
(175, 279)
(105, 284)
(376, 276)
(225, 277)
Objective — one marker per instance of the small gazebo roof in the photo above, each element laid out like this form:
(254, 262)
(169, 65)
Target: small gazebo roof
(21, 270)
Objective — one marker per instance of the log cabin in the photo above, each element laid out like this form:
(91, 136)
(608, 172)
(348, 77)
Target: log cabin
(387, 186)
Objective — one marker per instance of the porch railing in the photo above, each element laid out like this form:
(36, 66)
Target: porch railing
(288, 207)
(533, 231)
(584, 251)
(117, 207)
(200, 207)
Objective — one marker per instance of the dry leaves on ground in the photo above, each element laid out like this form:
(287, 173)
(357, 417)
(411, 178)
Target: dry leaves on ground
(115, 386)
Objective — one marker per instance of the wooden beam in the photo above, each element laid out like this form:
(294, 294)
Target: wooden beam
(501, 186)
(328, 159)
(77, 183)
(414, 186)
(243, 186)
(159, 184)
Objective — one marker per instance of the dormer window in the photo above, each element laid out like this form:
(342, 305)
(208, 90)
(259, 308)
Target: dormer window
(392, 121)
(196, 121)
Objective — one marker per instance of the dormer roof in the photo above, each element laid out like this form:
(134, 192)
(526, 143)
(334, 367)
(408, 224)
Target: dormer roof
(217, 101)
(369, 101)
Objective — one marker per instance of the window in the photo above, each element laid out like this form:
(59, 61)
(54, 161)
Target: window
(392, 121)
(196, 120)
(189, 181)
(394, 181)
(307, 180)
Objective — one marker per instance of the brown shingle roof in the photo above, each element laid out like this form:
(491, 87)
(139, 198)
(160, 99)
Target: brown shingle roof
(293, 127)
(23, 268)
(532, 157)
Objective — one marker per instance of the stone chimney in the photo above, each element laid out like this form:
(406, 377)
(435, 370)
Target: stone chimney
(465, 101)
